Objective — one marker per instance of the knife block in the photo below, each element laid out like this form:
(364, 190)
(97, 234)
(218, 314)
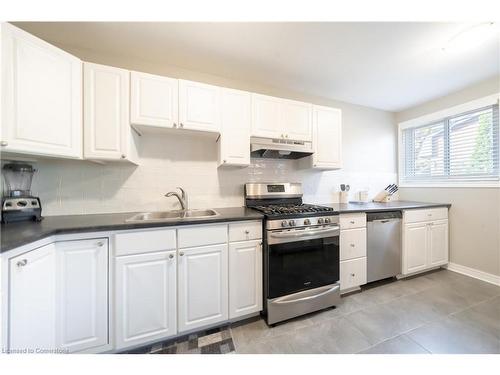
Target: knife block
(382, 197)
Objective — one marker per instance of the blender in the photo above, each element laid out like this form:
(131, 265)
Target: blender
(18, 204)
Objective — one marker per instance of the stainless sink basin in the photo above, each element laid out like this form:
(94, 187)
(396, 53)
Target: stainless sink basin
(172, 215)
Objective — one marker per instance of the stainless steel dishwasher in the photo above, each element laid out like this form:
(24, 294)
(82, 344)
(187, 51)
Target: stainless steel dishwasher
(383, 245)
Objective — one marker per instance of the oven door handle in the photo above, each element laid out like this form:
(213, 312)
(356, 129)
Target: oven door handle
(290, 299)
(303, 233)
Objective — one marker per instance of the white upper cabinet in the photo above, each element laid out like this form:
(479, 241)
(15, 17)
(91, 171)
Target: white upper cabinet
(82, 294)
(41, 97)
(154, 100)
(297, 120)
(281, 118)
(266, 116)
(234, 142)
(327, 138)
(199, 106)
(107, 131)
(32, 295)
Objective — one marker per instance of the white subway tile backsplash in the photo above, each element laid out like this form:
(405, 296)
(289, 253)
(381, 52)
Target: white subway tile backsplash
(82, 187)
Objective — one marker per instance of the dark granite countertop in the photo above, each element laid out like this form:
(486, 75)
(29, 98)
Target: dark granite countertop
(17, 234)
(379, 207)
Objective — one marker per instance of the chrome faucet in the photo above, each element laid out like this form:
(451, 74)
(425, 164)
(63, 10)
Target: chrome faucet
(182, 197)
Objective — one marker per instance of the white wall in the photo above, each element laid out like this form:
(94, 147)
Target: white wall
(475, 212)
(77, 187)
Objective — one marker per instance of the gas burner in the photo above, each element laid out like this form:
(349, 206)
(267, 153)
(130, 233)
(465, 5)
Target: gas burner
(293, 209)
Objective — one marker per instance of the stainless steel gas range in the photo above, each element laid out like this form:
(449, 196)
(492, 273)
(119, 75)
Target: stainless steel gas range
(301, 251)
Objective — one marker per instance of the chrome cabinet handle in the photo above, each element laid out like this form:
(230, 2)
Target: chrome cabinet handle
(22, 263)
(123, 156)
(100, 244)
(352, 222)
(182, 125)
(181, 254)
(353, 245)
(175, 125)
(247, 231)
(171, 256)
(4, 143)
(286, 135)
(353, 274)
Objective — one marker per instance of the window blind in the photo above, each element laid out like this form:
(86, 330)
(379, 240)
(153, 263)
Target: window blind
(463, 147)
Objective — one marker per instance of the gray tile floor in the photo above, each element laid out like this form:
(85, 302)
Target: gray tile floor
(439, 312)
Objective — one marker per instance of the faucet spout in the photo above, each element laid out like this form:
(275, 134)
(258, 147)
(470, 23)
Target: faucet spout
(182, 198)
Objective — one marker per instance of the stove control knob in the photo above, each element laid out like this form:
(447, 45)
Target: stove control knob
(284, 223)
(327, 220)
(320, 220)
(307, 222)
(291, 223)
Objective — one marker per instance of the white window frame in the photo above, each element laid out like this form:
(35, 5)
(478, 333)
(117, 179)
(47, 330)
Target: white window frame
(435, 117)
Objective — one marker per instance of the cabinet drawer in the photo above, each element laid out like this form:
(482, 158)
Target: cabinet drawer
(352, 243)
(137, 242)
(248, 230)
(201, 235)
(429, 214)
(352, 273)
(349, 221)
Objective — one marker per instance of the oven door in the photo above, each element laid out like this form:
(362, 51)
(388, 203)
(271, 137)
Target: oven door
(302, 259)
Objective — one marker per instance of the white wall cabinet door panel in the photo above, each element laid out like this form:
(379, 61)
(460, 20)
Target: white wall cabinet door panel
(203, 286)
(106, 112)
(297, 120)
(82, 294)
(245, 278)
(415, 248)
(146, 298)
(41, 97)
(154, 100)
(266, 117)
(438, 243)
(327, 138)
(234, 142)
(32, 318)
(199, 106)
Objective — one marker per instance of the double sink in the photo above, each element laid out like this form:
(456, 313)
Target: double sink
(171, 215)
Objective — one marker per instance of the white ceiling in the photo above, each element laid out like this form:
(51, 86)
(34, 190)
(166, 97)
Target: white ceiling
(391, 66)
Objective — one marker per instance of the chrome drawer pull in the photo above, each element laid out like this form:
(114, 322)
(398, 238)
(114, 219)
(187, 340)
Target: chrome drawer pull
(22, 263)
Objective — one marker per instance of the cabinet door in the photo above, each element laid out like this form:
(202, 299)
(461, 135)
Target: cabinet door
(146, 296)
(82, 294)
(41, 89)
(234, 143)
(32, 323)
(438, 243)
(203, 288)
(297, 120)
(199, 106)
(415, 247)
(106, 116)
(154, 100)
(245, 278)
(266, 117)
(327, 139)
(352, 273)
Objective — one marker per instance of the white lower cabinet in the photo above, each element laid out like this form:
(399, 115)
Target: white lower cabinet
(425, 243)
(32, 312)
(352, 273)
(82, 294)
(203, 286)
(245, 278)
(59, 297)
(146, 298)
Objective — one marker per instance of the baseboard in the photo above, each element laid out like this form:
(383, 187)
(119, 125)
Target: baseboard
(472, 272)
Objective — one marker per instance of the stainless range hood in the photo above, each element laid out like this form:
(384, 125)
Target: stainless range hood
(270, 148)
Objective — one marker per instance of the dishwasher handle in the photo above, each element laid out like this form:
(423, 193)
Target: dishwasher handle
(384, 217)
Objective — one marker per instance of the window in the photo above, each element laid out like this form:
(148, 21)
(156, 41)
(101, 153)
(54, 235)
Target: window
(463, 147)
